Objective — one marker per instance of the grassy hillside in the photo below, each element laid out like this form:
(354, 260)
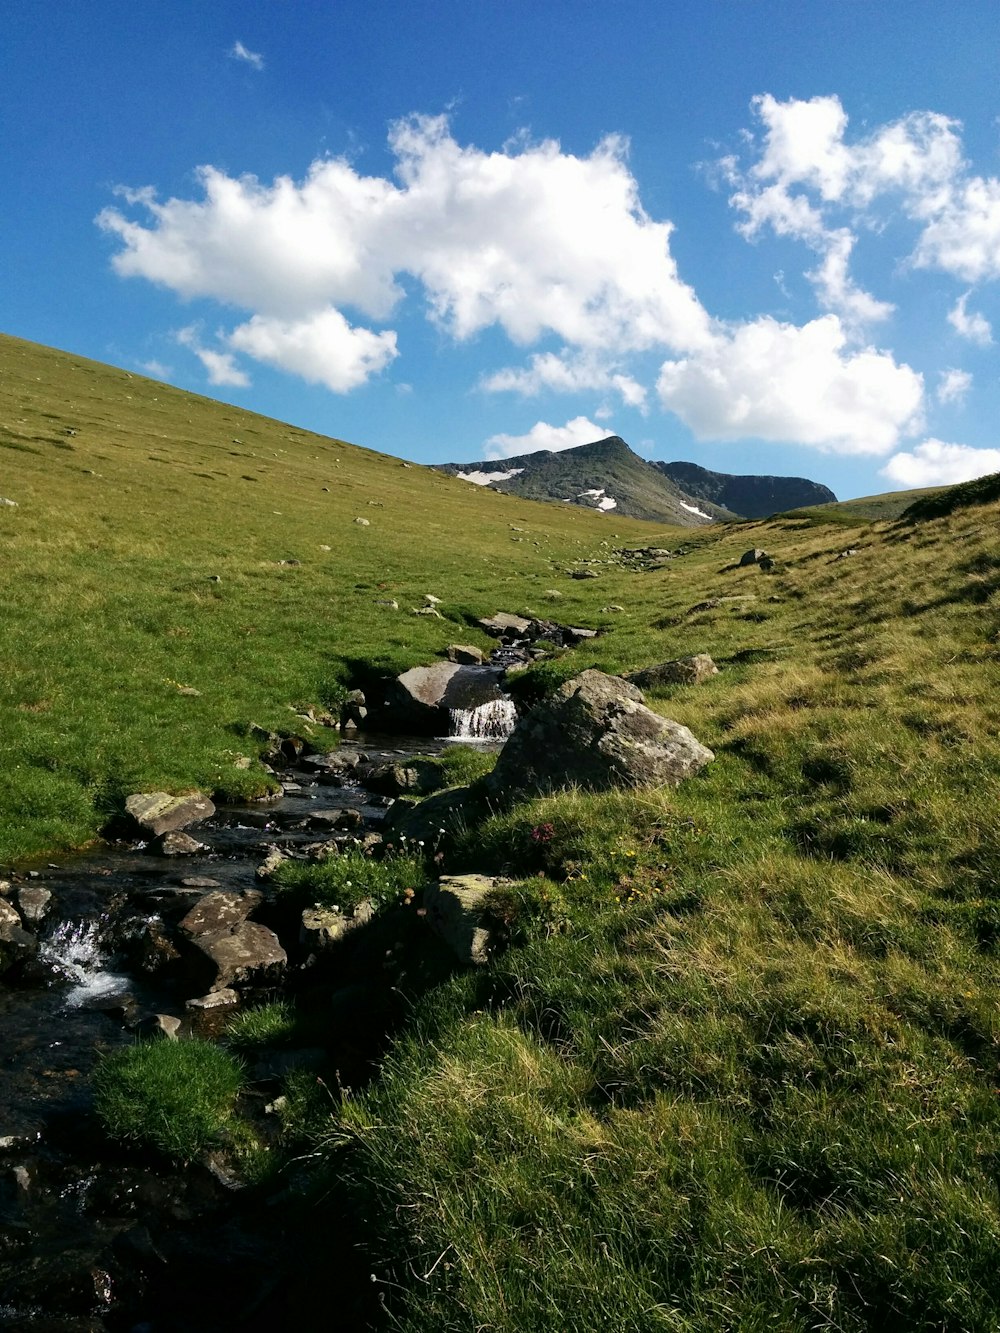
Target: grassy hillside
(742, 1072)
(165, 543)
(867, 508)
(739, 1069)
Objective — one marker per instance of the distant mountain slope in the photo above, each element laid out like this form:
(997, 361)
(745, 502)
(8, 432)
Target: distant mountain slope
(750, 497)
(604, 475)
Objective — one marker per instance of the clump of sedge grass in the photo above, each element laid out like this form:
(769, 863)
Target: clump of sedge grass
(176, 1097)
(353, 877)
(271, 1024)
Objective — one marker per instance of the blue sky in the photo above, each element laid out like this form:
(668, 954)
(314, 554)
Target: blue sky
(761, 236)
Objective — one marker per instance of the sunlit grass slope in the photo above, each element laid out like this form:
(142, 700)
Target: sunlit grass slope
(741, 1072)
(164, 542)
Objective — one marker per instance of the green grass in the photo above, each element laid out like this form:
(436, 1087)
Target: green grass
(737, 1069)
(353, 877)
(176, 1097)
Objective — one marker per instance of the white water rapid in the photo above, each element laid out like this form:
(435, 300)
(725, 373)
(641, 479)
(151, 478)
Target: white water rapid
(75, 953)
(490, 721)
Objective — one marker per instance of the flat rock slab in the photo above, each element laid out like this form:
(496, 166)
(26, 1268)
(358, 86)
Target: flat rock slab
(219, 911)
(157, 812)
(504, 623)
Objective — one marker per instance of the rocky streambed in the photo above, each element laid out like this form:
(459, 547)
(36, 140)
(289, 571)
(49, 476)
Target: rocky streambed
(166, 935)
(93, 1237)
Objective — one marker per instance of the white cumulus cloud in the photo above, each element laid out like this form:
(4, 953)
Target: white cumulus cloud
(935, 463)
(544, 436)
(973, 326)
(531, 240)
(240, 52)
(953, 386)
(568, 374)
(221, 365)
(783, 383)
(322, 348)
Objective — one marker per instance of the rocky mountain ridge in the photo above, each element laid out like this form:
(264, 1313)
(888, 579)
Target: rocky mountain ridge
(607, 475)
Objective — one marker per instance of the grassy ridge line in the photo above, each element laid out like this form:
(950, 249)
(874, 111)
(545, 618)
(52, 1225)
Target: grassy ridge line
(133, 497)
(755, 1084)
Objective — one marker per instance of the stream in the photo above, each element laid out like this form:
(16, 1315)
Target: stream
(98, 1239)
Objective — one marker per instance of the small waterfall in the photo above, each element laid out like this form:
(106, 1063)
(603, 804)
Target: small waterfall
(493, 720)
(74, 951)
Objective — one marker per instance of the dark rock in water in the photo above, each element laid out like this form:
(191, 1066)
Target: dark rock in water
(219, 911)
(247, 955)
(157, 812)
(421, 700)
(597, 733)
(177, 844)
(17, 946)
(683, 671)
(465, 654)
(334, 819)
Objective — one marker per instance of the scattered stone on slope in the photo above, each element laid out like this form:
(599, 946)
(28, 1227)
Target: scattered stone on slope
(453, 908)
(682, 671)
(363, 522)
(157, 812)
(595, 732)
(583, 574)
(752, 557)
(8, 504)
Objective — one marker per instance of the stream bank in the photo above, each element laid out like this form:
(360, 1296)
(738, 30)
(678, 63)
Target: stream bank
(98, 1239)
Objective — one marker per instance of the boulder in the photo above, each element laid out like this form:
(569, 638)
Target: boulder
(16, 944)
(157, 812)
(752, 557)
(220, 999)
(421, 700)
(465, 654)
(682, 671)
(595, 732)
(33, 901)
(454, 911)
(177, 844)
(323, 927)
(247, 955)
(584, 574)
(219, 911)
(503, 623)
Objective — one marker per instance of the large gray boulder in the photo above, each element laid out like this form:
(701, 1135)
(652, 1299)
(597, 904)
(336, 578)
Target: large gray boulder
(595, 732)
(157, 812)
(247, 955)
(421, 700)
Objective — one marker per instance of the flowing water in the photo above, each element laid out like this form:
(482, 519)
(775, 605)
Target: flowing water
(94, 1239)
